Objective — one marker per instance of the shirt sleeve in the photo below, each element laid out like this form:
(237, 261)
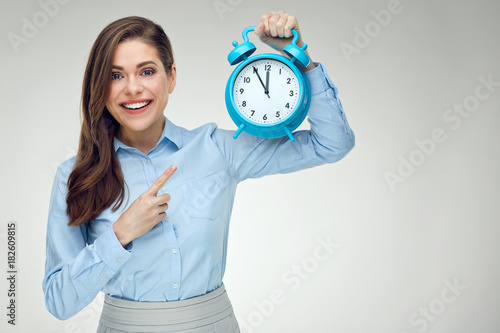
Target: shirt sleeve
(329, 139)
(74, 271)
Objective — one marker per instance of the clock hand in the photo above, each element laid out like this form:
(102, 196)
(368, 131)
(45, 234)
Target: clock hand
(257, 72)
(267, 84)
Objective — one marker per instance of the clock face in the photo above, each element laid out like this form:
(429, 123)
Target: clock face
(266, 91)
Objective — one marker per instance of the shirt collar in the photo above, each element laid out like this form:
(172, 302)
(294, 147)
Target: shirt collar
(170, 132)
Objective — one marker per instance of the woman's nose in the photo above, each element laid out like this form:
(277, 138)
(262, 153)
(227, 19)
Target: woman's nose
(133, 87)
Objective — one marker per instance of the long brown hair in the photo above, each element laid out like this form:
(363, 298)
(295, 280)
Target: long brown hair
(96, 181)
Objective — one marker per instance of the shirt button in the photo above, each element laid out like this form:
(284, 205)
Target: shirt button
(104, 280)
(175, 285)
(167, 219)
(120, 259)
(148, 161)
(174, 251)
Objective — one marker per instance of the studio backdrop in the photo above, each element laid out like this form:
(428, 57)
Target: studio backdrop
(401, 236)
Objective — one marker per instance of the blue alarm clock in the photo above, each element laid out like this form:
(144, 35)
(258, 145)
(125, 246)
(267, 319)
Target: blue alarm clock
(268, 95)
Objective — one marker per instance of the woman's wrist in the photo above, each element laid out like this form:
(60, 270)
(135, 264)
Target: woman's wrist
(120, 235)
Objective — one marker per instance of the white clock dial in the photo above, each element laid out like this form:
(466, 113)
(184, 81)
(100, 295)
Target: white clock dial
(266, 91)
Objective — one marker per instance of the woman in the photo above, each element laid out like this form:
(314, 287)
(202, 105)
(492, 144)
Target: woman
(160, 257)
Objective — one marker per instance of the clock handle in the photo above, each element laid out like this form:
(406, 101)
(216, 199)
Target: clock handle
(295, 52)
(246, 31)
(246, 49)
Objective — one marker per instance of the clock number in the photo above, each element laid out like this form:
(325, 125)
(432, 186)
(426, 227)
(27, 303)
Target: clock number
(253, 111)
(291, 92)
(265, 117)
(280, 71)
(242, 90)
(267, 68)
(278, 114)
(288, 81)
(246, 79)
(244, 103)
(287, 105)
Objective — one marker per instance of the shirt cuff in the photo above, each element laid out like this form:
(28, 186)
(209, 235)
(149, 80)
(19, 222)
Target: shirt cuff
(110, 250)
(319, 80)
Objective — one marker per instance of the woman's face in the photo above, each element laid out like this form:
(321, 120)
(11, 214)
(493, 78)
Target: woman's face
(139, 90)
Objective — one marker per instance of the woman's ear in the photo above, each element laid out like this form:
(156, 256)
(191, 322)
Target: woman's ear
(172, 78)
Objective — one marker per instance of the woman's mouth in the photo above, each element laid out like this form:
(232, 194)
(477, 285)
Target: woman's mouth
(135, 107)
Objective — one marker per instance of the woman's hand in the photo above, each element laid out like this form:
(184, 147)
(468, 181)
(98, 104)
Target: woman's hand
(145, 212)
(275, 29)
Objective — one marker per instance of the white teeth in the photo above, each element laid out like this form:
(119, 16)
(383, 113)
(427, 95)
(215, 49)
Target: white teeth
(136, 105)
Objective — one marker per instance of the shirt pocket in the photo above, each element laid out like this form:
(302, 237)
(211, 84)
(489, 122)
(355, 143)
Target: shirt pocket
(203, 198)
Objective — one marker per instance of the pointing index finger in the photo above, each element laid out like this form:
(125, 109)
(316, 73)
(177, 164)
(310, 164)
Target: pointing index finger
(161, 181)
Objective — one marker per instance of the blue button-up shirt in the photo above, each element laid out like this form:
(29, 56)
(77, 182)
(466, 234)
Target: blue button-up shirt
(184, 255)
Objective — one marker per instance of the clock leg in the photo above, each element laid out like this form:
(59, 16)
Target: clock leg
(287, 131)
(240, 129)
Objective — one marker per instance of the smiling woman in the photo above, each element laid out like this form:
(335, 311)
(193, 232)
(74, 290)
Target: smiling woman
(162, 273)
(96, 180)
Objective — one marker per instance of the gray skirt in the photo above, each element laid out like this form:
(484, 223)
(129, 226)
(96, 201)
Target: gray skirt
(209, 313)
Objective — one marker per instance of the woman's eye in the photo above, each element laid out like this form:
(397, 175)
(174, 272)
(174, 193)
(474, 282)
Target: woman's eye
(148, 72)
(115, 76)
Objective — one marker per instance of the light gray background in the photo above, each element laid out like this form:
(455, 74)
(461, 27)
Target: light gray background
(396, 248)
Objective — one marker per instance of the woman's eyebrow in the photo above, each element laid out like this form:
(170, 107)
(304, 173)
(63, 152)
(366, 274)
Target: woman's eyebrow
(138, 65)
